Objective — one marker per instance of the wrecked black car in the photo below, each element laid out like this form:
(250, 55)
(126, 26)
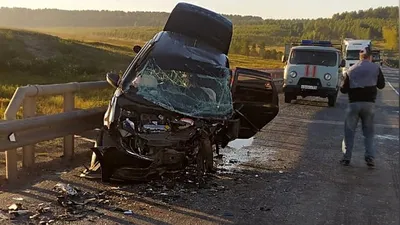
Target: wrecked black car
(178, 102)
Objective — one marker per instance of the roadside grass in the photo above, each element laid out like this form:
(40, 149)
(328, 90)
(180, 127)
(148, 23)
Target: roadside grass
(34, 58)
(117, 36)
(254, 62)
(29, 57)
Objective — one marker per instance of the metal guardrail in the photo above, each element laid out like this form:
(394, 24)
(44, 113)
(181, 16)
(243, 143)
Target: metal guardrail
(392, 63)
(19, 133)
(31, 129)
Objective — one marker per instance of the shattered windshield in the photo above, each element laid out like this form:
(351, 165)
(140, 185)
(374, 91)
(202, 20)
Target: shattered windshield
(312, 57)
(189, 87)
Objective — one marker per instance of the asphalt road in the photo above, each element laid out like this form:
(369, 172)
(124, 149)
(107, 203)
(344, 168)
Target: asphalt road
(288, 174)
(392, 77)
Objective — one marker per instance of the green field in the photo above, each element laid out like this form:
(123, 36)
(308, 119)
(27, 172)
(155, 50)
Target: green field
(29, 57)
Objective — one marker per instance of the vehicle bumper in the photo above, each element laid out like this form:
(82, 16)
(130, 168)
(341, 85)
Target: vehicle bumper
(320, 92)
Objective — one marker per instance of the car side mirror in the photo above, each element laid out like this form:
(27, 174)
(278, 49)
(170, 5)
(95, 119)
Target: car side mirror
(137, 48)
(342, 63)
(112, 79)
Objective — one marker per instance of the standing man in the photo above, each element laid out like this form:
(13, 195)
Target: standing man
(360, 83)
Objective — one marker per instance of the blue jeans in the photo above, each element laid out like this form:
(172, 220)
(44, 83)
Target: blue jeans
(355, 111)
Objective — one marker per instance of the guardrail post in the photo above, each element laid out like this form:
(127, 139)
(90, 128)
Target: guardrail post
(69, 105)
(11, 165)
(11, 156)
(28, 152)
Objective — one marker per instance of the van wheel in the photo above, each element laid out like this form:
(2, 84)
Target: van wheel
(332, 100)
(288, 98)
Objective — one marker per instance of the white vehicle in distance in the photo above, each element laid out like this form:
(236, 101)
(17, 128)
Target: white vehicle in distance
(351, 50)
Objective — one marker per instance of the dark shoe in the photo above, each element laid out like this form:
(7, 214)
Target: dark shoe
(345, 162)
(370, 162)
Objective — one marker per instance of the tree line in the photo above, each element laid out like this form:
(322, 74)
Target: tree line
(22, 17)
(376, 24)
(245, 47)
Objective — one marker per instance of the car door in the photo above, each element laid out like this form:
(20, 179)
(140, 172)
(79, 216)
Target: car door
(255, 100)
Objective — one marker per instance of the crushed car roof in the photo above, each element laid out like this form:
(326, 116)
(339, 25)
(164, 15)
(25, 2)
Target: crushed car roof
(172, 46)
(202, 24)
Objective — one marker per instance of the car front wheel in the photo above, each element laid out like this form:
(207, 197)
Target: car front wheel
(332, 100)
(289, 97)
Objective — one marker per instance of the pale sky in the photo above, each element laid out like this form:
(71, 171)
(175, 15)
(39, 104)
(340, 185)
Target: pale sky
(276, 9)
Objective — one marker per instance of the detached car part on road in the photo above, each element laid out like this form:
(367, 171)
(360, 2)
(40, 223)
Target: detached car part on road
(178, 101)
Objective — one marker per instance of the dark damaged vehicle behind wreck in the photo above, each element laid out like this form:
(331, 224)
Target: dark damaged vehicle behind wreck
(178, 102)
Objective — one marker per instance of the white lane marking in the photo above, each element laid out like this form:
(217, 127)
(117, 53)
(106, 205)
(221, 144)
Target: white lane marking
(394, 89)
(397, 74)
(388, 137)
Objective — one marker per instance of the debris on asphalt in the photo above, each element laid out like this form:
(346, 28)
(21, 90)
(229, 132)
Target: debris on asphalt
(34, 216)
(60, 173)
(78, 205)
(220, 156)
(46, 222)
(20, 212)
(66, 189)
(220, 188)
(15, 206)
(3, 216)
(16, 210)
(233, 161)
(265, 209)
(129, 212)
(117, 209)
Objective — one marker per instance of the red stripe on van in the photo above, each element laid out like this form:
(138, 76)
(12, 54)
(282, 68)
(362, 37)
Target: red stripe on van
(314, 71)
(307, 70)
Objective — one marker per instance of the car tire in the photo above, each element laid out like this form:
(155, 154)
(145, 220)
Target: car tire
(288, 98)
(200, 23)
(332, 100)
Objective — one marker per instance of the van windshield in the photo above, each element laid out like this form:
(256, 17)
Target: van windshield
(353, 55)
(313, 57)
